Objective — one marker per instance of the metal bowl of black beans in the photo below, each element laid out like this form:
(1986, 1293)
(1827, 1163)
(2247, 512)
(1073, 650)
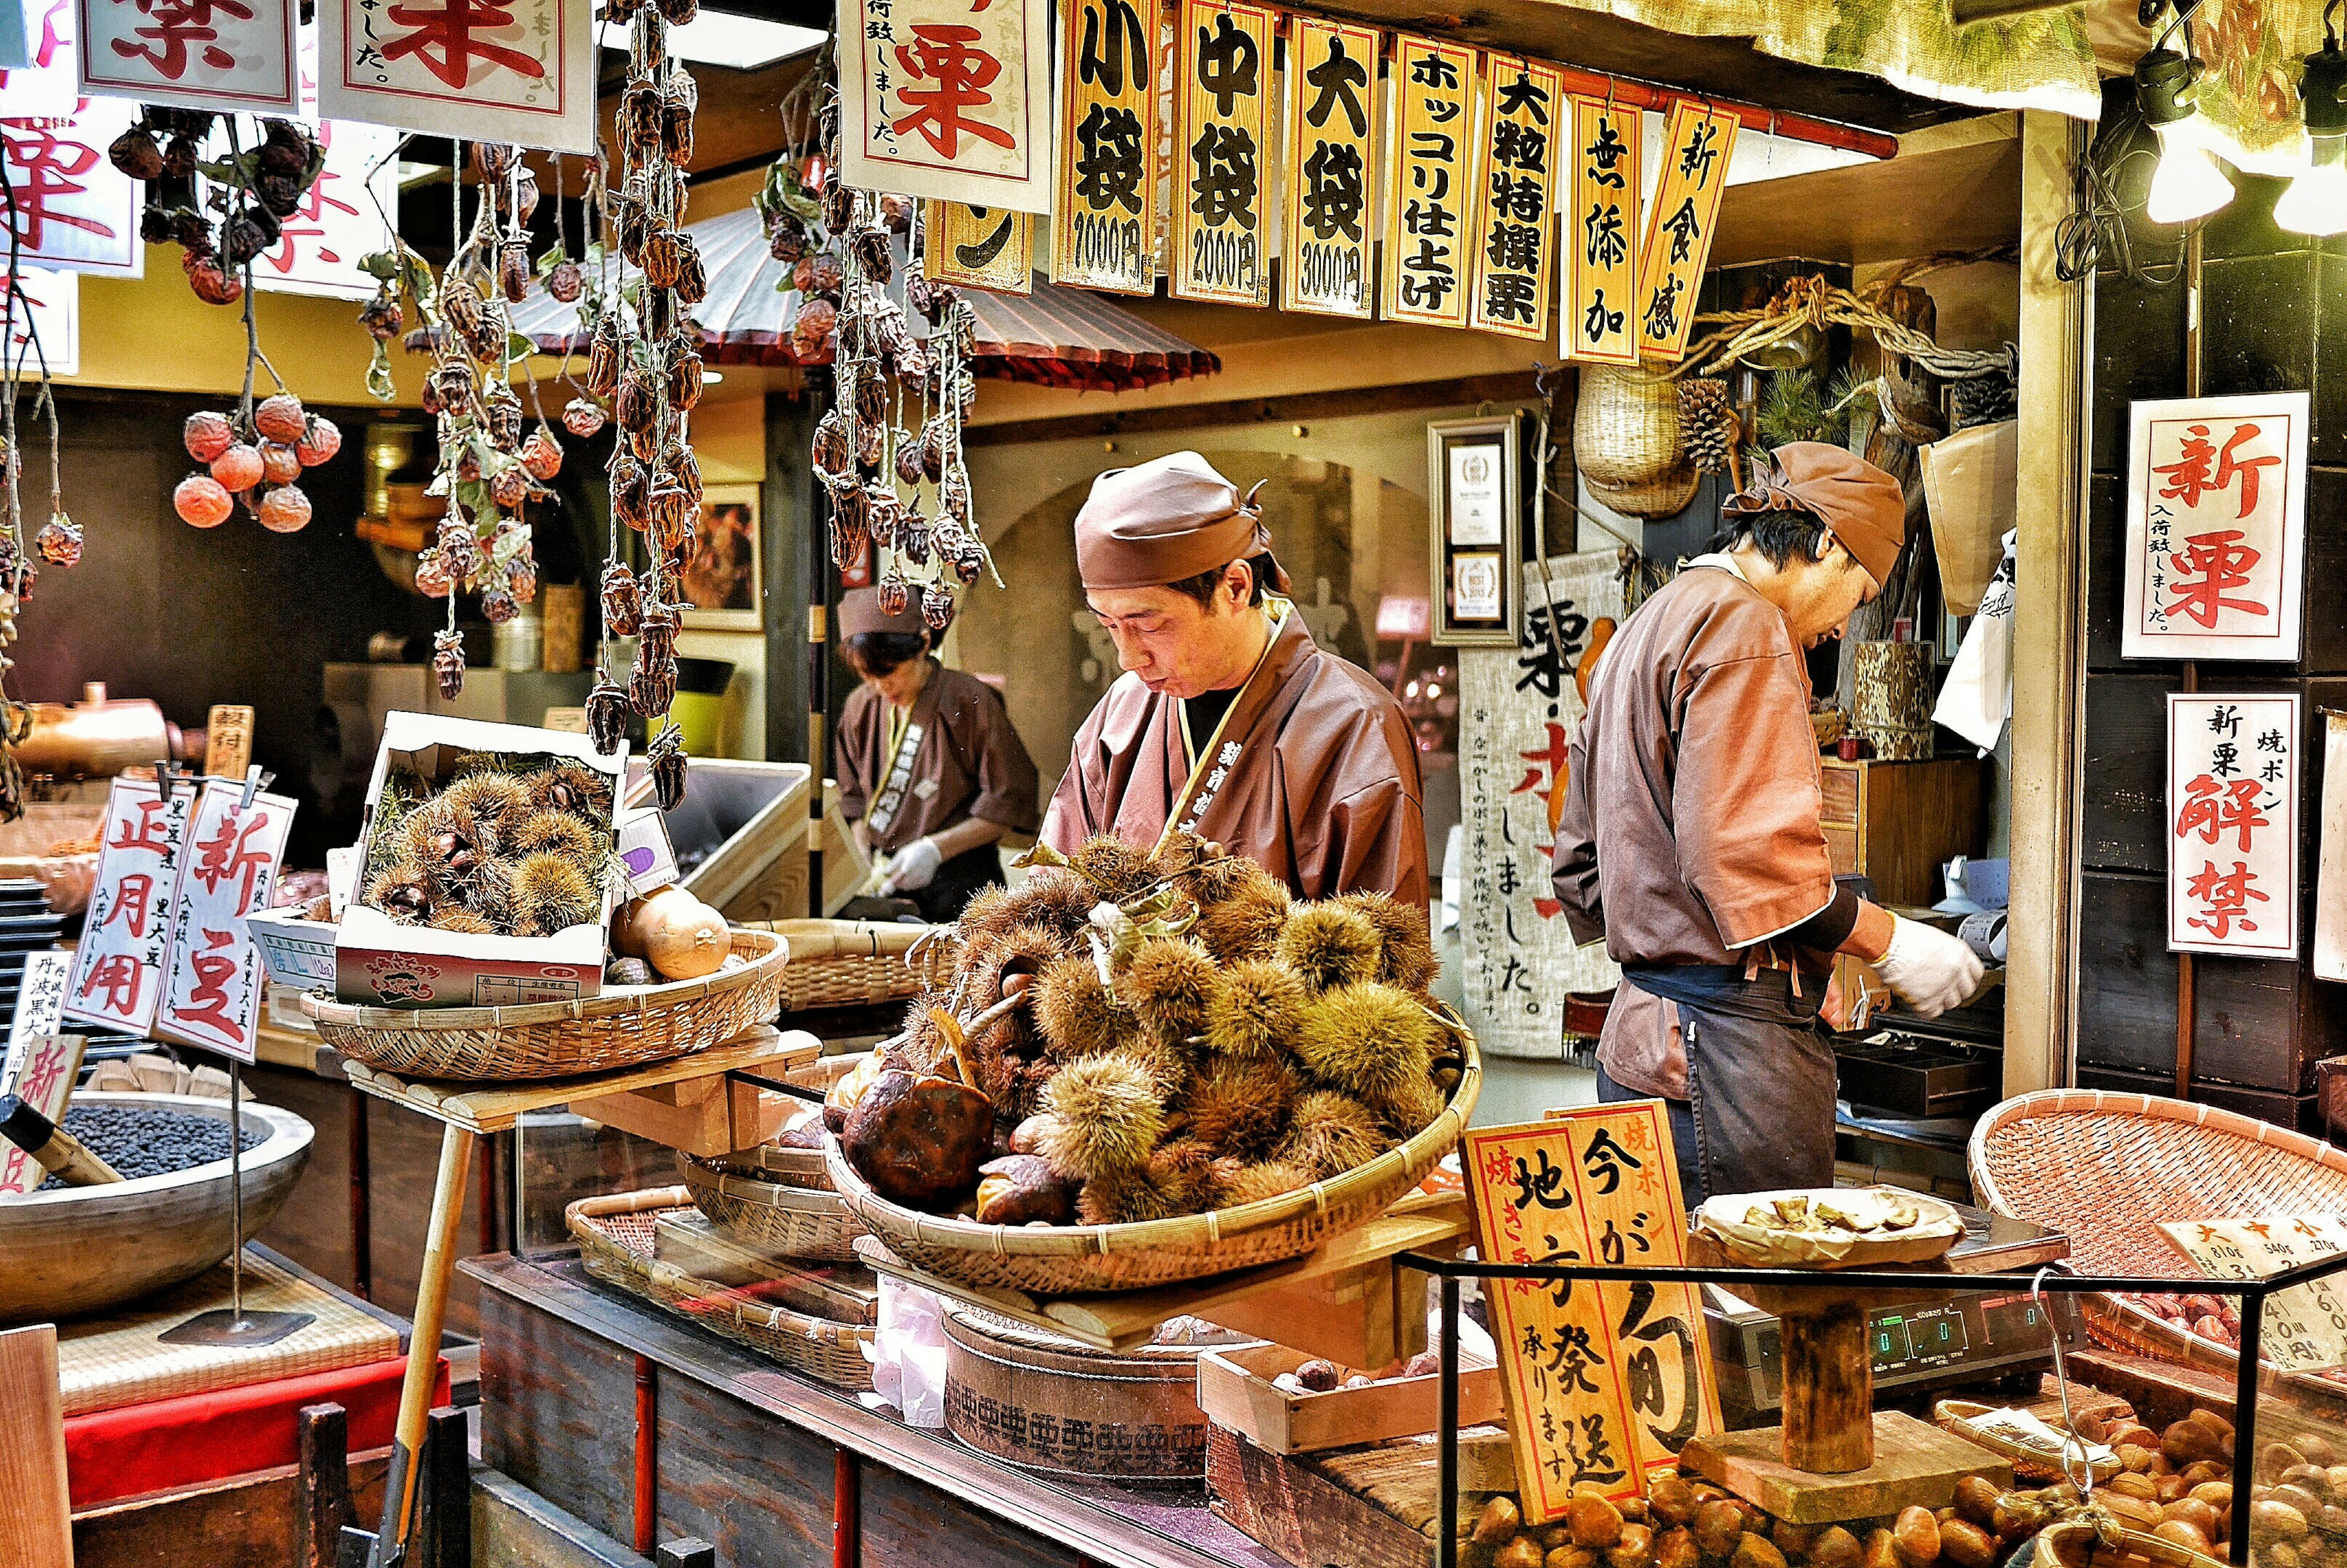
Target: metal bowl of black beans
(69, 1252)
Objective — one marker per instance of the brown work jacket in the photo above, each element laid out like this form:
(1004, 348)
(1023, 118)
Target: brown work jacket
(966, 761)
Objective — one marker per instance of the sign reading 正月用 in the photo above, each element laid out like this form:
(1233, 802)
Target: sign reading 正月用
(2216, 527)
(1330, 229)
(948, 98)
(214, 983)
(1600, 234)
(979, 247)
(71, 207)
(1221, 98)
(1429, 259)
(1104, 223)
(521, 71)
(126, 935)
(2232, 823)
(1696, 146)
(231, 56)
(1515, 227)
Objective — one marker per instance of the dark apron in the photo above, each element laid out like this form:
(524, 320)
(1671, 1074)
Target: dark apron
(1761, 1076)
(958, 881)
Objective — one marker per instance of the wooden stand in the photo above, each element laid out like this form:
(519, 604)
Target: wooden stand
(1912, 1463)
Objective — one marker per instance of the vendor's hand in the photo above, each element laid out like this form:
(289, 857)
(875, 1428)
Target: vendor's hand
(1833, 1010)
(916, 865)
(1928, 970)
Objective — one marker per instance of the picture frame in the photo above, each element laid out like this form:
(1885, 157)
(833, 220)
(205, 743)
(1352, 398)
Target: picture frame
(724, 583)
(1475, 530)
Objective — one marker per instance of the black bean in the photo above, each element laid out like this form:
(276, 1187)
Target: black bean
(151, 1141)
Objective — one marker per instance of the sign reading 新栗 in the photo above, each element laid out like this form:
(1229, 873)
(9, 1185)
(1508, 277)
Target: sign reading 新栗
(946, 99)
(2216, 527)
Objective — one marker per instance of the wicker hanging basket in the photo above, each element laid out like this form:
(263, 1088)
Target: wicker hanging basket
(1627, 444)
(859, 963)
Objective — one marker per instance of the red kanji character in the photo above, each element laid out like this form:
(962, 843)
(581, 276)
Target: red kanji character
(314, 203)
(47, 165)
(229, 853)
(41, 1073)
(51, 41)
(149, 831)
(2189, 475)
(20, 335)
(208, 1003)
(2223, 563)
(1549, 760)
(178, 24)
(2217, 809)
(2225, 898)
(117, 975)
(450, 30)
(132, 904)
(943, 54)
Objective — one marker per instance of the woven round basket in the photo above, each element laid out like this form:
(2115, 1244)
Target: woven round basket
(627, 1025)
(1070, 1260)
(1627, 442)
(615, 1242)
(772, 1216)
(859, 963)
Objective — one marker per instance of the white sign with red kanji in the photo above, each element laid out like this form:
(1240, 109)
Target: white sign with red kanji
(2232, 823)
(2216, 540)
(483, 70)
(119, 968)
(46, 85)
(73, 208)
(49, 309)
(318, 249)
(224, 54)
(948, 98)
(43, 1076)
(213, 987)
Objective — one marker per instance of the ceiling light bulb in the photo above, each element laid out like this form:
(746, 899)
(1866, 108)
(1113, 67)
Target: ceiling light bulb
(2316, 201)
(2187, 184)
(712, 378)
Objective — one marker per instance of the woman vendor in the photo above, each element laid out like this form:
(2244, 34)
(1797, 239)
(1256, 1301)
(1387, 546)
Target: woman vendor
(931, 772)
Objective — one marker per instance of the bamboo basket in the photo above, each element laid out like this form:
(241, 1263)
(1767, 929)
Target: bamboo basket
(631, 1026)
(2077, 1546)
(859, 963)
(615, 1242)
(1626, 441)
(1070, 1260)
(772, 1216)
(1962, 1417)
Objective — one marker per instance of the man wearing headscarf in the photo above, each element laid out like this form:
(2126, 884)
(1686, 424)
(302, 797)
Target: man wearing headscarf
(1229, 721)
(1689, 838)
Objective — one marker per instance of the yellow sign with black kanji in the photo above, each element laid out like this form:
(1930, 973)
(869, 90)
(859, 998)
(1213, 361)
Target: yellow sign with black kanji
(1695, 151)
(1600, 234)
(980, 247)
(1515, 222)
(1431, 166)
(1105, 224)
(1221, 95)
(1331, 228)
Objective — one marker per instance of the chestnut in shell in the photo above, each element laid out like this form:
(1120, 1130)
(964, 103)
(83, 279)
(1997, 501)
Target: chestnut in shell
(1023, 1189)
(919, 1140)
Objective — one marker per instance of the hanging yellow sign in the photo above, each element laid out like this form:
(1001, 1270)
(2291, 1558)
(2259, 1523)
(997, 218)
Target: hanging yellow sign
(1515, 223)
(1103, 228)
(1428, 262)
(1221, 94)
(1332, 95)
(1695, 151)
(1600, 234)
(981, 247)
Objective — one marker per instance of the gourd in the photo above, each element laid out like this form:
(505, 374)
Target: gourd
(675, 932)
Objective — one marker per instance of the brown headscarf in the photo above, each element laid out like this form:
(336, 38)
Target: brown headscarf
(1168, 519)
(860, 612)
(1859, 504)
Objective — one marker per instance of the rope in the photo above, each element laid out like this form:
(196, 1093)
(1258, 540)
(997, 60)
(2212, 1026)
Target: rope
(1811, 302)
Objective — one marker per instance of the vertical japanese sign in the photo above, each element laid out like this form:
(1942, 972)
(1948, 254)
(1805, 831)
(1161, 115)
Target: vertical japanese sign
(1222, 97)
(2216, 550)
(979, 247)
(43, 1079)
(40, 1004)
(49, 308)
(1331, 228)
(45, 84)
(1432, 164)
(2305, 1326)
(119, 968)
(948, 98)
(1104, 223)
(1515, 227)
(484, 70)
(1600, 234)
(1697, 144)
(1518, 709)
(74, 208)
(1603, 1383)
(224, 54)
(2232, 824)
(213, 986)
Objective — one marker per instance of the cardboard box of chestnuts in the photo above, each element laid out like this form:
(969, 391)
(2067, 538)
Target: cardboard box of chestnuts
(484, 875)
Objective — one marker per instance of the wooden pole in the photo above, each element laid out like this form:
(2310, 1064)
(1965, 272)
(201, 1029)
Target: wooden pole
(362, 1213)
(820, 576)
(847, 1509)
(35, 1519)
(647, 1457)
(424, 1345)
(2187, 1008)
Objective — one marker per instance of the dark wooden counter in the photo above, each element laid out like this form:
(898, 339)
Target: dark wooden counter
(746, 1453)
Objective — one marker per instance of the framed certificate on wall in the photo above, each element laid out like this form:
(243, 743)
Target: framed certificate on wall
(1474, 504)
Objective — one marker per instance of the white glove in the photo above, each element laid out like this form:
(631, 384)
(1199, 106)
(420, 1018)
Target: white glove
(1928, 970)
(916, 865)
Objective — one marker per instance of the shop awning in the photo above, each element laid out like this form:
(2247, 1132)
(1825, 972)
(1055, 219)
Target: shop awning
(1053, 337)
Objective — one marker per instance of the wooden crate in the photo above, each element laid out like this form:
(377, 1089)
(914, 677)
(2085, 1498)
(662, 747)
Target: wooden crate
(1235, 1390)
(1898, 823)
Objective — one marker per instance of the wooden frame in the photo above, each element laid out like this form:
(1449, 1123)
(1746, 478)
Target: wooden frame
(726, 509)
(1474, 507)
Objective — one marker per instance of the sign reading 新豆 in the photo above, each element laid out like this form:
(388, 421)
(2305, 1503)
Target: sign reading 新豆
(505, 70)
(979, 247)
(1515, 227)
(1429, 256)
(1332, 224)
(948, 98)
(2216, 551)
(224, 54)
(1604, 1384)
(1696, 146)
(1221, 98)
(1103, 227)
(2232, 824)
(1600, 234)
(118, 967)
(72, 207)
(213, 986)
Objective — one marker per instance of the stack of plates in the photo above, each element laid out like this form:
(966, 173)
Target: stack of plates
(26, 925)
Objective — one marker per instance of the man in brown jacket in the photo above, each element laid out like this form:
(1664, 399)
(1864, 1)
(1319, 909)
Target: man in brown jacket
(1689, 838)
(1229, 721)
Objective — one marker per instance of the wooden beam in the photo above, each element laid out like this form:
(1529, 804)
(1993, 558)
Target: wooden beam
(1298, 409)
(35, 1520)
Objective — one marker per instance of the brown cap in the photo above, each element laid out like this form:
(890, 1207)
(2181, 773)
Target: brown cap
(860, 612)
(1861, 505)
(1168, 519)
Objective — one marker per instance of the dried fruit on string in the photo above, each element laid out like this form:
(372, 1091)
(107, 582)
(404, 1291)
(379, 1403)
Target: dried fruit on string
(607, 713)
(486, 342)
(692, 282)
(59, 541)
(280, 464)
(180, 156)
(460, 548)
(954, 494)
(248, 236)
(510, 488)
(566, 282)
(453, 381)
(933, 449)
(645, 443)
(640, 112)
(583, 418)
(498, 603)
(208, 436)
(493, 161)
(896, 210)
(871, 445)
(919, 290)
(135, 153)
(652, 687)
(448, 663)
(461, 305)
(631, 492)
(874, 252)
(513, 270)
(843, 207)
(504, 411)
(678, 100)
(286, 510)
(212, 285)
(895, 593)
(913, 539)
(883, 513)
(969, 563)
(637, 406)
(468, 464)
(201, 501)
(239, 467)
(432, 578)
(912, 358)
(541, 455)
(937, 608)
(811, 332)
(659, 313)
(684, 379)
(525, 195)
(664, 255)
(833, 447)
(521, 577)
(683, 471)
(623, 602)
(943, 299)
(666, 765)
(320, 443)
(672, 518)
(657, 629)
(603, 359)
(909, 458)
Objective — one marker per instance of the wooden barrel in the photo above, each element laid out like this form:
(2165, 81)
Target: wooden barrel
(1058, 1408)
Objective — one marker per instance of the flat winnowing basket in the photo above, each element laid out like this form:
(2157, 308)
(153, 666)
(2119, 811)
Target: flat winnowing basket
(615, 1242)
(1073, 1260)
(772, 1216)
(859, 963)
(628, 1026)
